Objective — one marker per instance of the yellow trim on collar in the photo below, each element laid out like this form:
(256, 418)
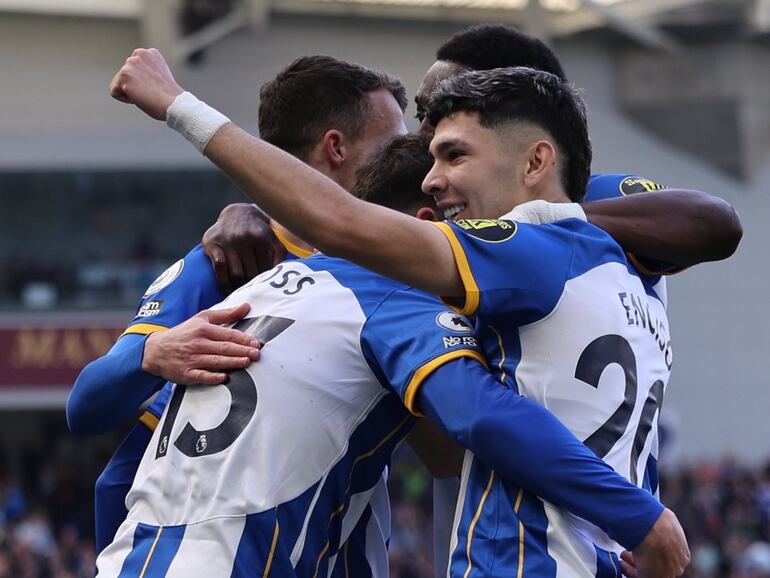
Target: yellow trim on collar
(291, 247)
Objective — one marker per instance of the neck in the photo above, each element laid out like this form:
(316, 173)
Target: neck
(550, 190)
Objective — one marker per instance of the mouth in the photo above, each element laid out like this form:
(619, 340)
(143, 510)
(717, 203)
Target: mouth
(451, 212)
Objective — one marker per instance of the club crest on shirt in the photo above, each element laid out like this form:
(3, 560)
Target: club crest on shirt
(631, 185)
(166, 278)
(489, 230)
(454, 322)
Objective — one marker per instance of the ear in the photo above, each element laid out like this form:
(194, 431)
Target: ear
(540, 161)
(333, 148)
(426, 214)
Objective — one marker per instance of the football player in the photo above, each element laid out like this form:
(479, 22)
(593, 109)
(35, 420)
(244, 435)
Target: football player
(506, 137)
(254, 482)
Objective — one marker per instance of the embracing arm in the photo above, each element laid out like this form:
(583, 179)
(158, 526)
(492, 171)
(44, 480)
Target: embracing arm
(112, 388)
(679, 227)
(526, 444)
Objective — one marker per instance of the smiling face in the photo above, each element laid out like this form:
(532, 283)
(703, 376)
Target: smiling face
(478, 172)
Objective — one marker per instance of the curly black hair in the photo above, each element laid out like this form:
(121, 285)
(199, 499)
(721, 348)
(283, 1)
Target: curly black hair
(488, 46)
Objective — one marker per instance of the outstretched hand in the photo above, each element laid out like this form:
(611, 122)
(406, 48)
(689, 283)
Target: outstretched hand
(145, 80)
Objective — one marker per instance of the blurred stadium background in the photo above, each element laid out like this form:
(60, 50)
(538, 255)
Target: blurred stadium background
(97, 199)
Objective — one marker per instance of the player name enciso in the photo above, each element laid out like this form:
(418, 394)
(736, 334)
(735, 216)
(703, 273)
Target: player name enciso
(637, 310)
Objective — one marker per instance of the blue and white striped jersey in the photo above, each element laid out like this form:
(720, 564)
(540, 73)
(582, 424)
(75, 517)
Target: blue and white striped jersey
(565, 320)
(600, 186)
(269, 474)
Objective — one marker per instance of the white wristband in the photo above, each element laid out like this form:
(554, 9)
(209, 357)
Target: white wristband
(194, 119)
(540, 212)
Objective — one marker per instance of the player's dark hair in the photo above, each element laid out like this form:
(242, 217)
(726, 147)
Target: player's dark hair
(488, 46)
(506, 95)
(314, 94)
(393, 176)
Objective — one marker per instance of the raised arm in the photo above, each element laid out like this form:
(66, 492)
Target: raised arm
(330, 219)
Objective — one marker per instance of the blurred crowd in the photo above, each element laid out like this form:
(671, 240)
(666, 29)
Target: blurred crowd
(46, 513)
(724, 508)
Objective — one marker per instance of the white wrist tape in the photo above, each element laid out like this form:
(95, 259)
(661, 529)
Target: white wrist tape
(541, 212)
(194, 119)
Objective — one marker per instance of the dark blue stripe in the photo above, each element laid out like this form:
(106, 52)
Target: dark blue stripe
(165, 550)
(607, 564)
(253, 554)
(651, 480)
(538, 563)
(144, 536)
(345, 479)
(352, 561)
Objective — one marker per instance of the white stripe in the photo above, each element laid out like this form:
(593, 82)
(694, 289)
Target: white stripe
(208, 549)
(571, 551)
(299, 545)
(378, 531)
(467, 466)
(110, 561)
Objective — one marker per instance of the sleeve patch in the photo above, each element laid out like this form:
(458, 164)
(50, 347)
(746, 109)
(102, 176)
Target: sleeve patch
(489, 230)
(454, 322)
(166, 278)
(631, 185)
(150, 308)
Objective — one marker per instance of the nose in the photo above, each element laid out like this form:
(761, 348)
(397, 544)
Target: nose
(434, 182)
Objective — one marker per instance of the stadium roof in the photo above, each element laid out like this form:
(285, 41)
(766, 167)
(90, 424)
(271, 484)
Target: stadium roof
(637, 19)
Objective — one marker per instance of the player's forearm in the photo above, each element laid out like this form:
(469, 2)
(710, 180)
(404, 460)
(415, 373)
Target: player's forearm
(110, 389)
(323, 214)
(529, 446)
(679, 227)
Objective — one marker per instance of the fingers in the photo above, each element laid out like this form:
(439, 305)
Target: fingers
(250, 263)
(203, 377)
(628, 565)
(237, 276)
(229, 349)
(224, 316)
(628, 570)
(221, 270)
(220, 335)
(211, 362)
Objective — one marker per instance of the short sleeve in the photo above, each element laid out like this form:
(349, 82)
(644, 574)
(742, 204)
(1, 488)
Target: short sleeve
(181, 291)
(509, 268)
(410, 335)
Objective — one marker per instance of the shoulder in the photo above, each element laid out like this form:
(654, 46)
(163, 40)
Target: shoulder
(182, 290)
(193, 269)
(613, 185)
(369, 289)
